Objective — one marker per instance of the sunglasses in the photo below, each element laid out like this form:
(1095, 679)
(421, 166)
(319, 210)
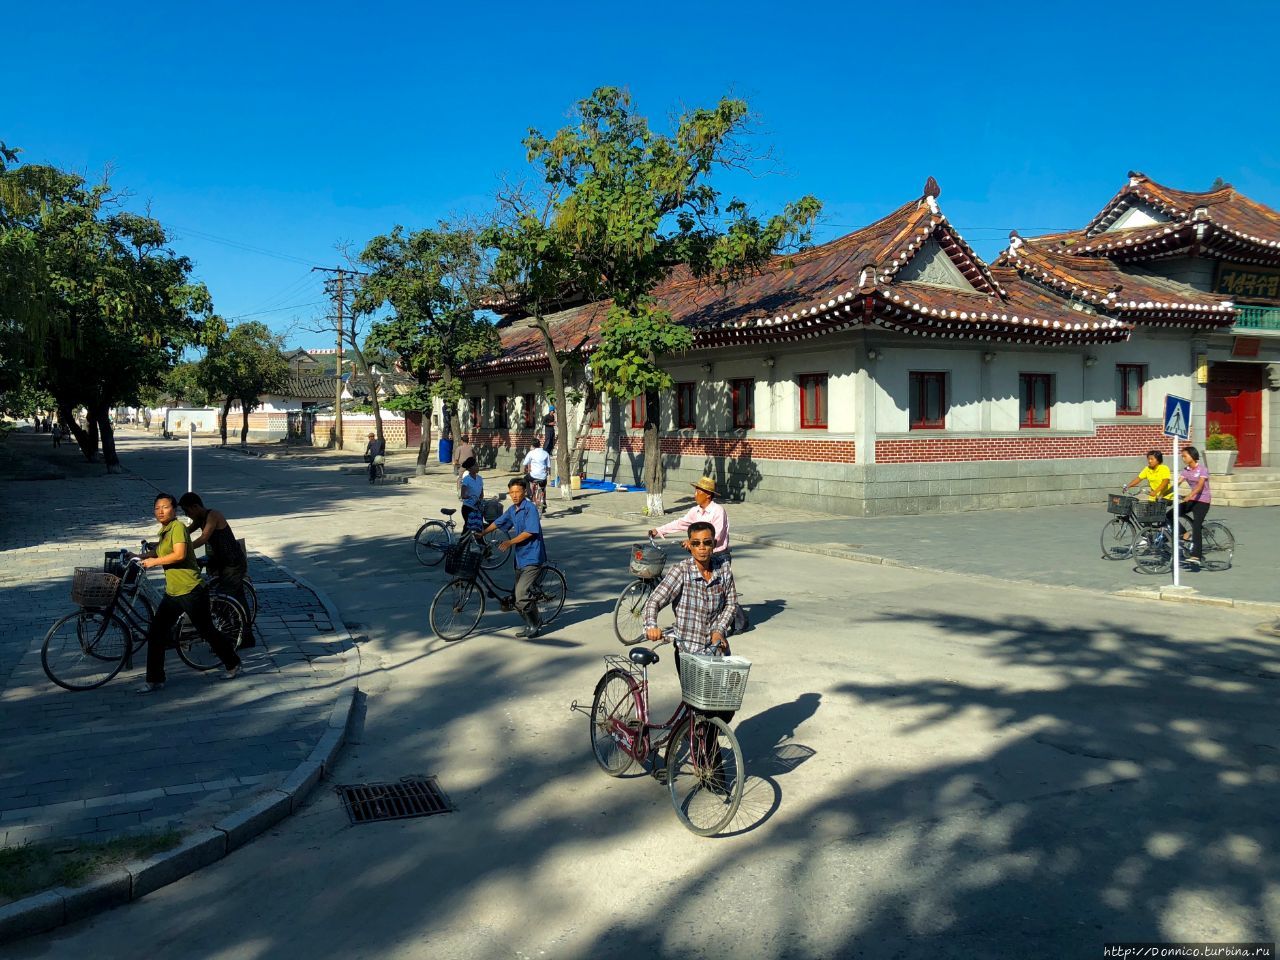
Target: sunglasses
(702, 543)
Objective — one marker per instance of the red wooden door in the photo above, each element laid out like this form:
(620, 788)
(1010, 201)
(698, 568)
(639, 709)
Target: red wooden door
(413, 428)
(1235, 407)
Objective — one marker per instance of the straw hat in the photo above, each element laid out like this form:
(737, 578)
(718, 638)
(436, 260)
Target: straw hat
(706, 485)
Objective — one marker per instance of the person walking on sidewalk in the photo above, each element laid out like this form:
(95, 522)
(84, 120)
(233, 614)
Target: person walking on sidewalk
(184, 592)
(224, 558)
(523, 526)
(537, 466)
(707, 510)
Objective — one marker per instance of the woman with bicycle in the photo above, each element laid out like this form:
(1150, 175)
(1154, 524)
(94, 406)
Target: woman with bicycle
(184, 592)
(471, 492)
(1196, 476)
(702, 593)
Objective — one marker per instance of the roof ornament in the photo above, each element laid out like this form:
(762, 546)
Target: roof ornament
(931, 193)
(1015, 241)
(867, 278)
(1218, 184)
(1136, 177)
(1200, 213)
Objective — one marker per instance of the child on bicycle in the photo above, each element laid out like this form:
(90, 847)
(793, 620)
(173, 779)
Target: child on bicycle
(701, 592)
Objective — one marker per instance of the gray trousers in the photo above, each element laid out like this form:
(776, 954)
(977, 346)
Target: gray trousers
(526, 577)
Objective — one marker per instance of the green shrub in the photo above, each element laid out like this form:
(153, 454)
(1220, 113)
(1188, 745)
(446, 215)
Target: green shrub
(1220, 441)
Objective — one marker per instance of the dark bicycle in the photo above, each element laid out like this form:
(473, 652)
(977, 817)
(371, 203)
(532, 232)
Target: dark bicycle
(88, 647)
(459, 605)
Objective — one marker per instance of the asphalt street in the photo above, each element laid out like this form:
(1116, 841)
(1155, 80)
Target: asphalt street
(940, 767)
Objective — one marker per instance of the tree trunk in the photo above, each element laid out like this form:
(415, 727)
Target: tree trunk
(102, 414)
(373, 387)
(451, 408)
(653, 472)
(562, 407)
(579, 462)
(424, 448)
(226, 412)
(244, 422)
(87, 441)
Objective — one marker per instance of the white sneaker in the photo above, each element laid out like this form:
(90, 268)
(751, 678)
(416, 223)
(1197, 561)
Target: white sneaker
(149, 687)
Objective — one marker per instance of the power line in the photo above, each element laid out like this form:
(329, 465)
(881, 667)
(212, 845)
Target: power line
(236, 244)
(259, 313)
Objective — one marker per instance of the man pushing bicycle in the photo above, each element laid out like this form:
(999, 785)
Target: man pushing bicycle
(701, 592)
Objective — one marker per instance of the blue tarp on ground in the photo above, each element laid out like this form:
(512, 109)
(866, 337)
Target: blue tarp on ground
(608, 486)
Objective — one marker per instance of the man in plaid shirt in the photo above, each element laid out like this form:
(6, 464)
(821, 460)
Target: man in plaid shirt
(701, 592)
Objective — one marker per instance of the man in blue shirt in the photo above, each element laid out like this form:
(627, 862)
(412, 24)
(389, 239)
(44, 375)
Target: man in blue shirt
(523, 526)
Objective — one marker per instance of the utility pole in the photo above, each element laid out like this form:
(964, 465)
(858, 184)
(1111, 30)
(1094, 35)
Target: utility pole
(337, 288)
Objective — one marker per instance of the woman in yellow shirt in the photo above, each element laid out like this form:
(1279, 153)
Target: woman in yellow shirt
(1158, 477)
(184, 592)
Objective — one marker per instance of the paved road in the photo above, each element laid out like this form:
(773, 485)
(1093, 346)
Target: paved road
(941, 768)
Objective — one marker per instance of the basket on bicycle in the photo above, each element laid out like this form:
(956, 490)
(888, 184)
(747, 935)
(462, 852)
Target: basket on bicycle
(647, 561)
(1120, 504)
(713, 683)
(1150, 511)
(491, 510)
(463, 558)
(92, 588)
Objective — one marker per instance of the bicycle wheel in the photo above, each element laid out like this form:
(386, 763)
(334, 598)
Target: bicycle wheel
(85, 649)
(228, 619)
(1118, 538)
(251, 599)
(493, 557)
(628, 612)
(1218, 544)
(1156, 556)
(550, 593)
(457, 609)
(704, 773)
(616, 703)
(431, 542)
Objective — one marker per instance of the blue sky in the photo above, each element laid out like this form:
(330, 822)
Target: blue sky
(266, 135)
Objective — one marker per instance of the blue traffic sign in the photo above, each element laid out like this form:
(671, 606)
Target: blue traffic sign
(1177, 417)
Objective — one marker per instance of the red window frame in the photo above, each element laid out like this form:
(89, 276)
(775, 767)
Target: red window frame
(742, 400)
(921, 381)
(501, 419)
(1034, 387)
(813, 416)
(686, 394)
(475, 413)
(637, 412)
(1127, 375)
(528, 409)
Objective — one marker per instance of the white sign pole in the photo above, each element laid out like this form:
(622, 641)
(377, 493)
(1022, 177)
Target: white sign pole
(192, 486)
(1177, 528)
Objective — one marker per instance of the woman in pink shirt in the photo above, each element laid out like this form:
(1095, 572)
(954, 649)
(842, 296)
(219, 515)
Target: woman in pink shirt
(1196, 476)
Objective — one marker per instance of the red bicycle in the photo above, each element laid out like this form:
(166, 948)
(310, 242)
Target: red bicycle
(704, 764)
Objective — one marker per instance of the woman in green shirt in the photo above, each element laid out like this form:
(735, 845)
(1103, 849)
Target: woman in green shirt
(184, 592)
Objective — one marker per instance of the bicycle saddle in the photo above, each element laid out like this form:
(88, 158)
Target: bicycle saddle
(643, 657)
(448, 511)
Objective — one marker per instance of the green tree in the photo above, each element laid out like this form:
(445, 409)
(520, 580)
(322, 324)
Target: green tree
(99, 307)
(242, 365)
(536, 271)
(435, 282)
(636, 204)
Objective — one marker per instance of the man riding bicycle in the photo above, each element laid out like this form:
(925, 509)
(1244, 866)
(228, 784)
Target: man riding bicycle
(537, 466)
(224, 559)
(701, 592)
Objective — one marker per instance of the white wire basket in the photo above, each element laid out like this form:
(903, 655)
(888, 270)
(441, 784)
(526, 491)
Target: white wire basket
(713, 683)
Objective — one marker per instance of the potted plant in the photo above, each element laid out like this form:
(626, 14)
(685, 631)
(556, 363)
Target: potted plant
(1220, 452)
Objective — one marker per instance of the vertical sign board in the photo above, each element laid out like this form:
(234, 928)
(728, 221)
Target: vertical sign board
(1177, 424)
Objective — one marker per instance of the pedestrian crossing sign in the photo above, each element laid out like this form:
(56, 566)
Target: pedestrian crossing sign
(1177, 417)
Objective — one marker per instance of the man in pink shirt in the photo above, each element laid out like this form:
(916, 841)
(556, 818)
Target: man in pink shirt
(706, 511)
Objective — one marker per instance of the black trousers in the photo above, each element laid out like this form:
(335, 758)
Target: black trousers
(196, 606)
(1198, 510)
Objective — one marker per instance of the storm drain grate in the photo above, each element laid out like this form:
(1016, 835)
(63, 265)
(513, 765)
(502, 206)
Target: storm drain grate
(411, 797)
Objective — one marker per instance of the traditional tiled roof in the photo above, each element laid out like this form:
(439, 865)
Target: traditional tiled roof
(309, 388)
(851, 281)
(1128, 294)
(1220, 224)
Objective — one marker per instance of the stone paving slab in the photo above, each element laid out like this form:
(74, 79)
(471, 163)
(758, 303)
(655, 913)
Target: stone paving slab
(94, 764)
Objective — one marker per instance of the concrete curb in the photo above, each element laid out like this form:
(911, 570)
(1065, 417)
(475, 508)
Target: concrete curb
(50, 909)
